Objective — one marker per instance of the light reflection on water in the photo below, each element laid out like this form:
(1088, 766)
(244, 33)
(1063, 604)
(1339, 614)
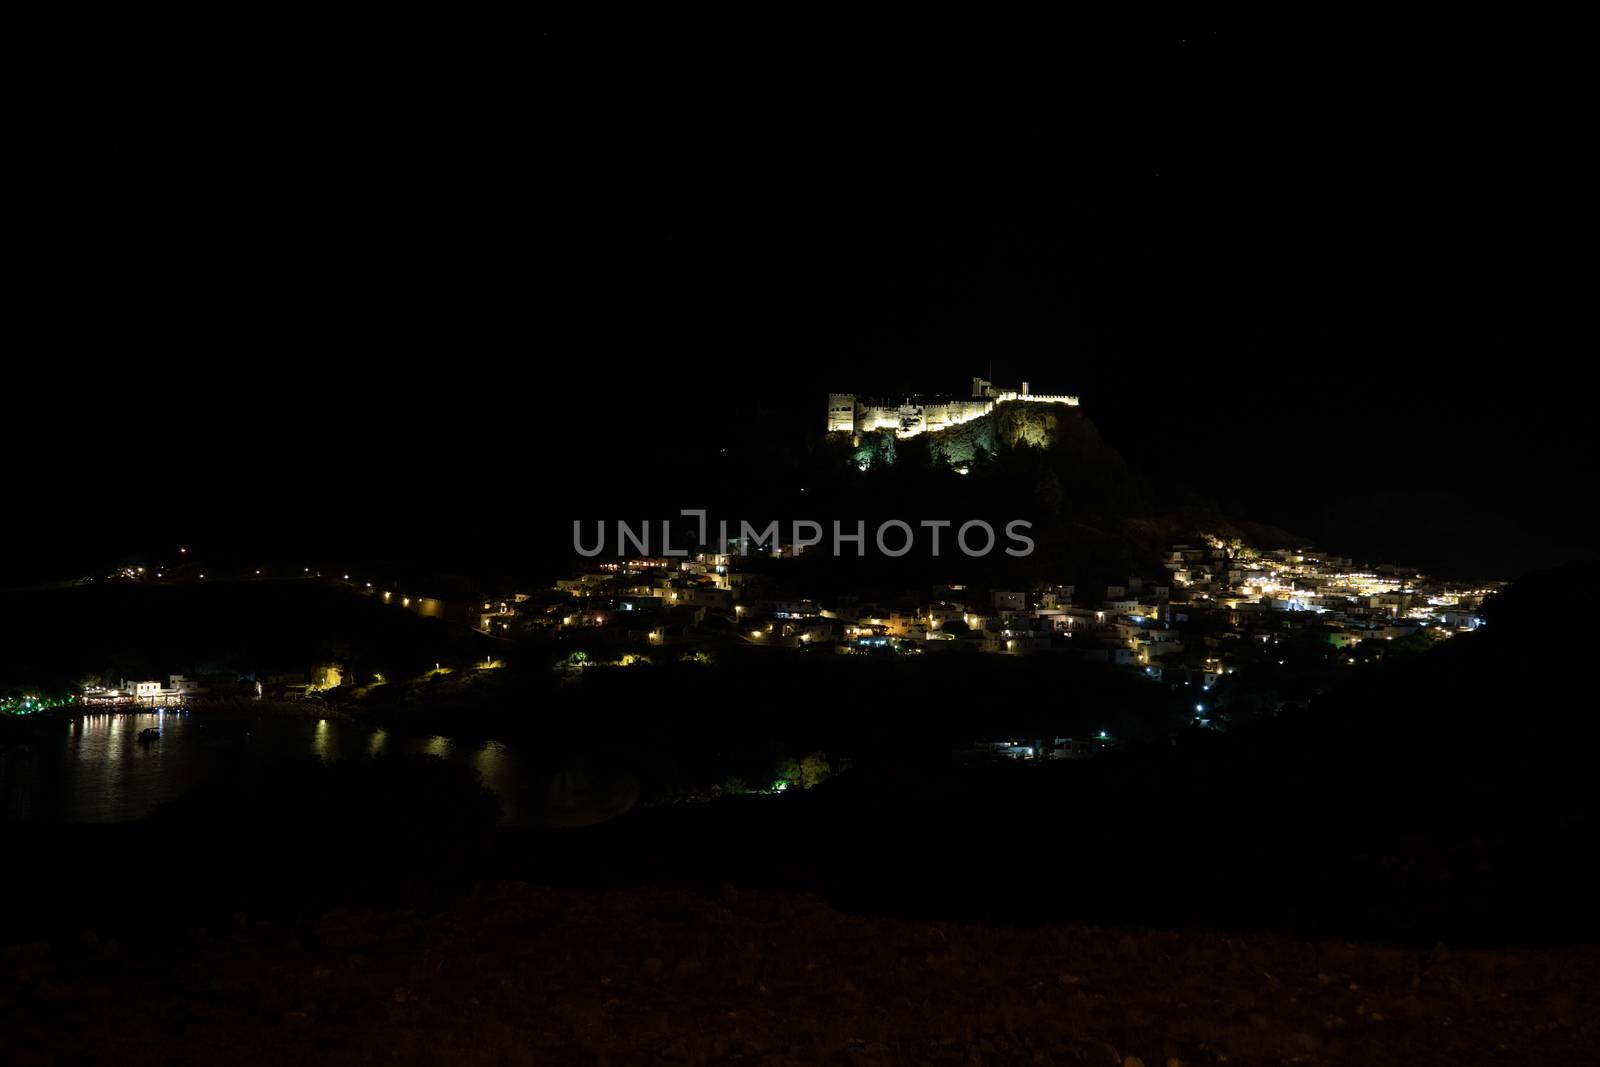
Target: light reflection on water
(96, 769)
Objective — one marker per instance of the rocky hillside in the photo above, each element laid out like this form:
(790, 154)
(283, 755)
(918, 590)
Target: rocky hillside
(541, 976)
(1008, 425)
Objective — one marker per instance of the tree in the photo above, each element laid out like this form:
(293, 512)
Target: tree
(814, 770)
(788, 771)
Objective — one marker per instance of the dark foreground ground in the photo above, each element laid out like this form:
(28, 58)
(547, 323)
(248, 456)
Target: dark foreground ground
(528, 975)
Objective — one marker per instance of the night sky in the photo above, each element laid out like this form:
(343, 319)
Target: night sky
(1315, 285)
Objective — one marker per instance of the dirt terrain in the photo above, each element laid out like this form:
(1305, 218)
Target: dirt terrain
(529, 975)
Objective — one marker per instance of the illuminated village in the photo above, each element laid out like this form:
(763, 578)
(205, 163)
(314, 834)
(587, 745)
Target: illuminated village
(1195, 623)
(1214, 611)
(745, 546)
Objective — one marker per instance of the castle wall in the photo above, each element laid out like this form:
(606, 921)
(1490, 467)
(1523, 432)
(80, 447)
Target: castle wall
(878, 418)
(841, 413)
(1038, 398)
(848, 414)
(954, 413)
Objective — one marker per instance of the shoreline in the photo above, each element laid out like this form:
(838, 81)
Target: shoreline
(279, 707)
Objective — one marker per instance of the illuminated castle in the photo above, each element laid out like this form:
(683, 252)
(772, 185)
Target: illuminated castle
(850, 414)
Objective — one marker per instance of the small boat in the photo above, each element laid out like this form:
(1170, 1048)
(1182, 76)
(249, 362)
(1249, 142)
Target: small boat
(149, 735)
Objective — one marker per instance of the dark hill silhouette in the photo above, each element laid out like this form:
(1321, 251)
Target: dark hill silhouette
(51, 638)
(1444, 797)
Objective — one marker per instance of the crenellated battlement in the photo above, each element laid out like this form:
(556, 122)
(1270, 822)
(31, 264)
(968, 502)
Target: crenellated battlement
(848, 413)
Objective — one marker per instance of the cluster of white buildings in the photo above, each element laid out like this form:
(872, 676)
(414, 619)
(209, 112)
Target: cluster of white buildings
(1344, 604)
(1186, 626)
(147, 693)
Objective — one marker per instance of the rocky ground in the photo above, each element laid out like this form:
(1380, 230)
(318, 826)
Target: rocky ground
(528, 975)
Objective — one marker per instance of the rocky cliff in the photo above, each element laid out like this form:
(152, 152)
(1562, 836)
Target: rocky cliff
(1010, 424)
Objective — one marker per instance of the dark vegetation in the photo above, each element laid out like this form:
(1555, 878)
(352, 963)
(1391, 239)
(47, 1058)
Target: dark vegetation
(679, 724)
(52, 638)
(1435, 796)
(1438, 797)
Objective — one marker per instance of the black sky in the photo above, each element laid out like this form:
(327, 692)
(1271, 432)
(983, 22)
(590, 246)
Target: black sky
(1316, 276)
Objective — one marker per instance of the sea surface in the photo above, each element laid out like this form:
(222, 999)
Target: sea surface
(95, 768)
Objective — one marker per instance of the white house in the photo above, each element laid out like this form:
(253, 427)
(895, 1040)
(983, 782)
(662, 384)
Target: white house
(149, 692)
